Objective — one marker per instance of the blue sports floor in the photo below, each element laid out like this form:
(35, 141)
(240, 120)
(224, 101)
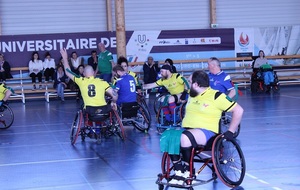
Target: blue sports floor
(36, 154)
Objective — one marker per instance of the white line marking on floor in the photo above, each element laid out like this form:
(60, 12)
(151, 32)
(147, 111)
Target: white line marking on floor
(49, 161)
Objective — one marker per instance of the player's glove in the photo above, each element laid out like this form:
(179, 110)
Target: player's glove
(228, 135)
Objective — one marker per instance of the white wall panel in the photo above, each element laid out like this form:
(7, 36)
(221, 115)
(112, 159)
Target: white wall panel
(257, 13)
(54, 16)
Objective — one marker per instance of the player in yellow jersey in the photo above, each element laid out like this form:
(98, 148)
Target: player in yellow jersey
(5, 93)
(201, 121)
(176, 86)
(93, 90)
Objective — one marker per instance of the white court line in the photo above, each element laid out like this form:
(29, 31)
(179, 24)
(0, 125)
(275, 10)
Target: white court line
(49, 161)
(297, 97)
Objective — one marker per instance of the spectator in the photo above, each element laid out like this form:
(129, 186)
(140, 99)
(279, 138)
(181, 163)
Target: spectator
(60, 82)
(4, 69)
(105, 63)
(75, 62)
(218, 79)
(261, 60)
(171, 63)
(36, 70)
(93, 61)
(49, 67)
(151, 70)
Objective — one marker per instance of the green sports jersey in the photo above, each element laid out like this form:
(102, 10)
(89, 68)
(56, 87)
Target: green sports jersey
(104, 62)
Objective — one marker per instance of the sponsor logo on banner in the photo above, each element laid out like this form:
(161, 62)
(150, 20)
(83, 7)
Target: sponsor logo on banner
(243, 40)
(244, 45)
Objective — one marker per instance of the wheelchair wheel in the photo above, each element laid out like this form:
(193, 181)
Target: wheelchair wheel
(224, 125)
(142, 121)
(116, 125)
(182, 111)
(167, 167)
(161, 120)
(6, 116)
(228, 161)
(76, 126)
(157, 102)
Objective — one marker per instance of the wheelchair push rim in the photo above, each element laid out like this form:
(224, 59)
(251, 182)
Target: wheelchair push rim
(75, 127)
(228, 161)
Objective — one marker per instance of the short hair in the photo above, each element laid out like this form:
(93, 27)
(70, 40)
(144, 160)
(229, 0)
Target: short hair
(216, 60)
(121, 60)
(201, 78)
(93, 51)
(118, 68)
(169, 61)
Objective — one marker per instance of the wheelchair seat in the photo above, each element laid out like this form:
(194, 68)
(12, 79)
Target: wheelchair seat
(99, 113)
(129, 109)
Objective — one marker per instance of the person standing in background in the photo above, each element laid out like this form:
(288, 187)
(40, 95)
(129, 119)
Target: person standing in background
(105, 63)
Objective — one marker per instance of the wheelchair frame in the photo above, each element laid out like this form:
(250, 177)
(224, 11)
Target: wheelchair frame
(6, 116)
(225, 159)
(112, 125)
(141, 122)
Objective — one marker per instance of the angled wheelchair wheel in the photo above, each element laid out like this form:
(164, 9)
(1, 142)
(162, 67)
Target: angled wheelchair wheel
(6, 116)
(161, 121)
(142, 121)
(167, 167)
(116, 125)
(157, 102)
(228, 161)
(76, 126)
(224, 124)
(182, 111)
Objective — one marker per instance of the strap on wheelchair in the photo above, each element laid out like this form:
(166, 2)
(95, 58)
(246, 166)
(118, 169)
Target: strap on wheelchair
(166, 102)
(191, 138)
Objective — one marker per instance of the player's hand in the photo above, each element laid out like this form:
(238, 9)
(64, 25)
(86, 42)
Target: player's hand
(228, 135)
(113, 105)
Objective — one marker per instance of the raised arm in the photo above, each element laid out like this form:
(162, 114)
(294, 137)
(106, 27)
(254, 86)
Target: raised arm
(64, 55)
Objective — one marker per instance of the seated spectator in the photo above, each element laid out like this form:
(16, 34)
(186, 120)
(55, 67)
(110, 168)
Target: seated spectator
(93, 61)
(49, 67)
(4, 69)
(268, 75)
(75, 61)
(261, 60)
(60, 82)
(36, 69)
(171, 63)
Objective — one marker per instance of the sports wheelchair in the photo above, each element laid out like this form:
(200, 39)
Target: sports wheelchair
(176, 118)
(223, 157)
(6, 116)
(257, 82)
(136, 114)
(105, 122)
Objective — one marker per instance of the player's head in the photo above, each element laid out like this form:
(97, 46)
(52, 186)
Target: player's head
(88, 71)
(198, 80)
(123, 62)
(165, 71)
(214, 65)
(118, 71)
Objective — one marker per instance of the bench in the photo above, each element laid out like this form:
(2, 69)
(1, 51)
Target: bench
(22, 87)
